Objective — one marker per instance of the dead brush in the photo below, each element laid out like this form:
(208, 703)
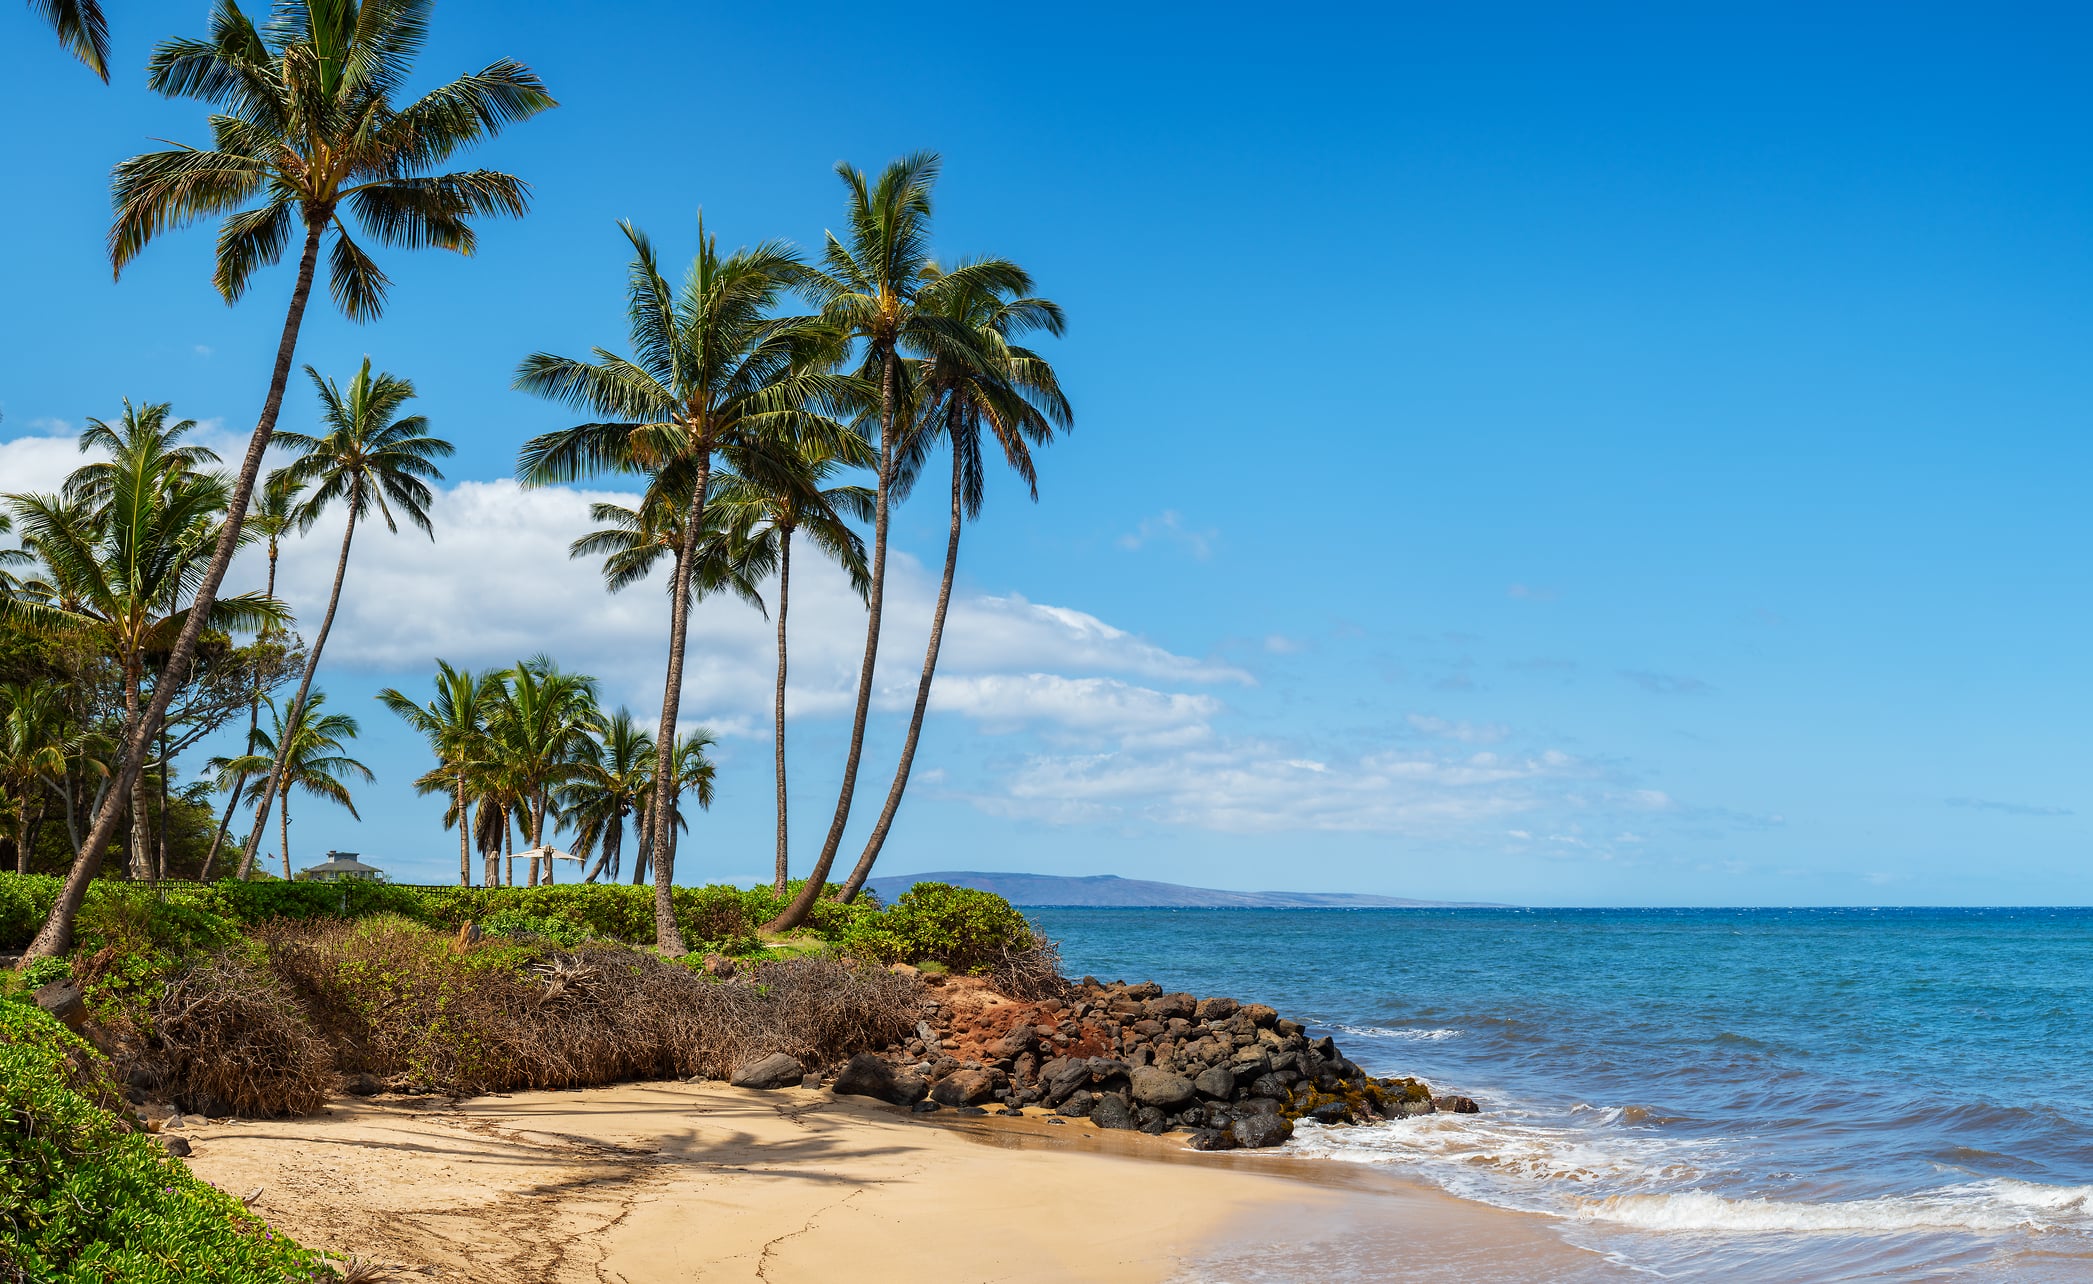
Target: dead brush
(1031, 972)
(231, 1039)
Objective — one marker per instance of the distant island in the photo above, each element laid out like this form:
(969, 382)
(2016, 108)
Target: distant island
(1109, 891)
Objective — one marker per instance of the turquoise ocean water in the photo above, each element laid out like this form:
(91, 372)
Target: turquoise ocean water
(1833, 1094)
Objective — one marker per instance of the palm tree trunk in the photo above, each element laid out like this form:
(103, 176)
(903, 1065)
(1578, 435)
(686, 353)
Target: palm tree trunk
(22, 840)
(160, 847)
(464, 835)
(803, 904)
(643, 848)
(667, 938)
(254, 721)
(283, 823)
(778, 713)
(56, 935)
(508, 849)
(312, 663)
(856, 881)
(141, 864)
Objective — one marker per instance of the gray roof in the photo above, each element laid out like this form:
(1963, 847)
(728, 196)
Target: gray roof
(343, 863)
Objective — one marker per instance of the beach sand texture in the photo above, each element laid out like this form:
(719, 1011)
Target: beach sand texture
(656, 1182)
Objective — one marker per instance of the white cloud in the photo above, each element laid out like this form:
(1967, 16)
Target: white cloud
(1169, 527)
(1464, 732)
(1106, 706)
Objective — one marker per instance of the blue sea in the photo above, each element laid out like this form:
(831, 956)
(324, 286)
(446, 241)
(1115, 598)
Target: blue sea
(1778, 1094)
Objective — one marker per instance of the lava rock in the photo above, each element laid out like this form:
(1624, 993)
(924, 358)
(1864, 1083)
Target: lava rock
(871, 1076)
(1260, 1014)
(1254, 1132)
(1077, 1105)
(925, 1108)
(176, 1146)
(363, 1084)
(964, 1088)
(1211, 1139)
(1160, 1088)
(1332, 1112)
(1218, 1008)
(1457, 1105)
(778, 1070)
(1112, 1112)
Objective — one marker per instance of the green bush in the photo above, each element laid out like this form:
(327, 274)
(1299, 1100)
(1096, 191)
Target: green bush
(84, 1199)
(963, 928)
(25, 902)
(352, 898)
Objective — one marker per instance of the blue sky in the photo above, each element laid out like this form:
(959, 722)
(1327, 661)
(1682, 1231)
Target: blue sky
(1622, 457)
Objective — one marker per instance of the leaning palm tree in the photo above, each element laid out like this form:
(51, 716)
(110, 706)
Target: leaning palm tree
(271, 516)
(82, 28)
(314, 754)
(309, 131)
(714, 373)
(126, 577)
(963, 388)
(868, 286)
(453, 723)
(763, 513)
(609, 781)
(367, 458)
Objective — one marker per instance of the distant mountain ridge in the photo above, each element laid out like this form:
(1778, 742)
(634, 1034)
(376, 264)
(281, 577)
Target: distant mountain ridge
(1102, 891)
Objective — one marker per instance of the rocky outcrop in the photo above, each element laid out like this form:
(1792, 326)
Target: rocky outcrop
(774, 1071)
(1225, 1073)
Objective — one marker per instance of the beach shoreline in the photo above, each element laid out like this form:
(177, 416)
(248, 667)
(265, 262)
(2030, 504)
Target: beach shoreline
(645, 1183)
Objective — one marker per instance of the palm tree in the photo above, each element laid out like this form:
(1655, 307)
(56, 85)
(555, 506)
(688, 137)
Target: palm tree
(81, 27)
(609, 781)
(991, 383)
(453, 723)
(9, 584)
(763, 514)
(314, 755)
(271, 516)
(713, 372)
(140, 441)
(540, 723)
(32, 747)
(868, 288)
(120, 575)
(366, 458)
(307, 125)
(693, 772)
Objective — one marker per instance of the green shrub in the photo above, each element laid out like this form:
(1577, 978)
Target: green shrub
(963, 928)
(128, 940)
(84, 1199)
(517, 922)
(25, 902)
(353, 898)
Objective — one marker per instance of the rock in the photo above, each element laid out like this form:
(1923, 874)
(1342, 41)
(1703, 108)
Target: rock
(1325, 1047)
(1257, 1131)
(719, 965)
(1078, 1104)
(469, 935)
(62, 999)
(1211, 1139)
(970, 1110)
(1151, 1121)
(1412, 1109)
(1016, 1043)
(1160, 1088)
(1112, 1112)
(1332, 1112)
(871, 1076)
(778, 1070)
(1164, 1006)
(176, 1146)
(1215, 1009)
(1260, 1014)
(1216, 1082)
(1268, 1085)
(363, 1084)
(925, 1108)
(964, 1088)
(1255, 1106)
(1457, 1105)
(1250, 1063)
(1061, 1076)
(810, 1080)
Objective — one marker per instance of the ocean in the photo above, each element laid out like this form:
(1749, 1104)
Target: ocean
(1732, 1094)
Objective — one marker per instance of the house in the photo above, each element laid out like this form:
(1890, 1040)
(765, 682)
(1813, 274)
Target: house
(340, 867)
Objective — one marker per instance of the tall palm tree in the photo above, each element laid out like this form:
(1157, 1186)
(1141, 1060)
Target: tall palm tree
(308, 125)
(763, 514)
(713, 372)
(540, 724)
(127, 577)
(963, 388)
(692, 772)
(315, 755)
(32, 749)
(82, 28)
(453, 723)
(367, 458)
(609, 781)
(270, 517)
(10, 584)
(868, 286)
(140, 441)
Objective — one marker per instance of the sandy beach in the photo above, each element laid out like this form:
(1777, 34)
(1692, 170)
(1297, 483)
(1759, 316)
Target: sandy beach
(656, 1182)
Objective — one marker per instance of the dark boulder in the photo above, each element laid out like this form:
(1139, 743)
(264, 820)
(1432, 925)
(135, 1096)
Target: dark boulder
(1078, 1104)
(871, 1076)
(1112, 1112)
(1211, 1139)
(1160, 1088)
(925, 1108)
(1215, 1009)
(1061, 1076)
(1016, 1043)
(964, 1088)
(1256, 1131)
(1260, 1014)
(176, 1146)
(1457, 1105)
(1268, 1085)
(1332, 1112)
(778, 1070)
(363, 1084)
(1216, 1082)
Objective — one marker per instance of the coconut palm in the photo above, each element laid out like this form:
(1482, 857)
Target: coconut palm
(693, 773)
(270, 517)
(10, 584)
(452, 723)
(367, 458)
(540, 722)
(763, 513)
(990, 383)
(140, 441)
(868, 285)
(82, 28)
(609, 781)
(126, 577)
(32, 749)
(314, 756)
(307, 132)
(713, 373)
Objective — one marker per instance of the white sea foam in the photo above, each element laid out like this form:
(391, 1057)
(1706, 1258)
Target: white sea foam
(1406, 1034)
(1989, 1206)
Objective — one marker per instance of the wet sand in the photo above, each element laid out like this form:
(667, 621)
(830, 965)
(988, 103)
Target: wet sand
(658, 1182)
